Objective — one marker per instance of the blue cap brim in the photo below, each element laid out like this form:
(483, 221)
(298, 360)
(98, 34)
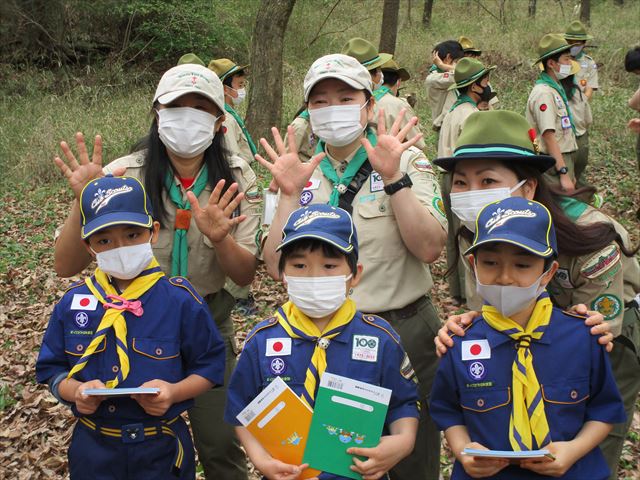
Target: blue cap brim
(319, 235)
(114, 219)
(525, 243)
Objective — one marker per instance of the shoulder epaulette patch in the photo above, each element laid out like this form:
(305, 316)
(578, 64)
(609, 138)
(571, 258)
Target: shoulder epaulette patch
(266, 323)
(601, 262)
(374, 321)
(184, 283)
(77, 284)
(574, 315)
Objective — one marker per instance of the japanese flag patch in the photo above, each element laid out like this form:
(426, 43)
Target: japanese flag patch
(277, 347)
(84, 302)
(312, 184)
(475, 349)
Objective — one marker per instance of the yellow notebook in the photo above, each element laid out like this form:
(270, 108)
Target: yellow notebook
(280, 421)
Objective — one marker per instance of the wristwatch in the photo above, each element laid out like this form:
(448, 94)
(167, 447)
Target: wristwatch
(562, 171)
(404, 182)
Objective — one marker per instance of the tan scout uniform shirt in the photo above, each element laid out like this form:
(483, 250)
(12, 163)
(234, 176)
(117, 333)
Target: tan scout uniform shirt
(440, 97)
(235, 141)
(393, 277)
(452, 127)
(581, 112)
(546, 111)
(588, 74)
(604, 280)
(204, 271)
(392, 106)
(305, 140)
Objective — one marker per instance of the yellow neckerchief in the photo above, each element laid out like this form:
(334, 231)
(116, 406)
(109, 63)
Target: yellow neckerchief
(527, 416)
(113, 317)
(298, 325)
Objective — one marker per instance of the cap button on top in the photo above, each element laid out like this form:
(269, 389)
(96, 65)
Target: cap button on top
(111, 408)
(79, 347)
(480, 402)
(573, 394)
(158, 351)
(115, 369)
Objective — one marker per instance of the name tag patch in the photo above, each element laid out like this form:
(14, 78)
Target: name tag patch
(365, 348)
(565, 122)
(84, 302)
(377, 185)
(476, 349)
(278, 347)
(559, 102)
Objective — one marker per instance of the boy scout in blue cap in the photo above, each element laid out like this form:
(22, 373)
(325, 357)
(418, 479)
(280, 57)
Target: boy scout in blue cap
(128, 326)
(527, 375)
(317, 331)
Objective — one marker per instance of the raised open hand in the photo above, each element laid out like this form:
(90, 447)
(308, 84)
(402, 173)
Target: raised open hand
(385, 156)
(215, 220)
(79, 173)
(290, 174)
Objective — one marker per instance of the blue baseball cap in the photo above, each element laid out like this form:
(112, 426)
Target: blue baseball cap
(110, 201)
(322, 222)
(518, 221)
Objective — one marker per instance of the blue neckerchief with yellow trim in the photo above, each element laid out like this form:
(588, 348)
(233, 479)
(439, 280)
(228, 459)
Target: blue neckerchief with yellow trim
(528, 420)
(298, 325)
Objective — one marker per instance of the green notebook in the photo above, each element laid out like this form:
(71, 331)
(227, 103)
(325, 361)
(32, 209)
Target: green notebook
(347, 413)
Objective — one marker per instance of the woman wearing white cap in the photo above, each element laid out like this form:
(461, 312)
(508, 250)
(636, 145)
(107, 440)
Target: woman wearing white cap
(208, 205)
(392, 192)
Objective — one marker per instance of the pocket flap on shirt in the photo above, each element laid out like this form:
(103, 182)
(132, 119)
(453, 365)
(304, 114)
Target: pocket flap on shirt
(76, 346)
(378, 207)
(482, 400)
(569, 392)
(157, 349)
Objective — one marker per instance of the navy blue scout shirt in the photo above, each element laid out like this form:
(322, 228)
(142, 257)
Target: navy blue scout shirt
(174, 338)
(473, 388)
(387, 365)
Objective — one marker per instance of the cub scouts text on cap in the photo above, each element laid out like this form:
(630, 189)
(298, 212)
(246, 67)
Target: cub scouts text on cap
(110, 201)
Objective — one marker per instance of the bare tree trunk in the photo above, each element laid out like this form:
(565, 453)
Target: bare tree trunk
(426, 13)
(389, 30)
(585, 11)
(532, 8)
(408, 21)
(265, 95)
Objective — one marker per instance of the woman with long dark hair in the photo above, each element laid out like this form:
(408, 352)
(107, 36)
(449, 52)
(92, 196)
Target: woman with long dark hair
(496, 158)
(208, 205)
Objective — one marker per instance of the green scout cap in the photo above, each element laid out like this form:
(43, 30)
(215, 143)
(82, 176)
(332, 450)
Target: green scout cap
(500, 135)
(551, 44)
(577, 31)
(467, 46)
(223, 67)
(469, 70)
(366, 53)
(394, 67)
(190, 58)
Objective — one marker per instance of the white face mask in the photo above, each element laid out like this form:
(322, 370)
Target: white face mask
(125, 263)
(317, 297)
(467, 205)
(575, 50)
(380, 82)
(185, 131)
(337, 125)
(564, 72)
(509, 299)
(242, 94)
